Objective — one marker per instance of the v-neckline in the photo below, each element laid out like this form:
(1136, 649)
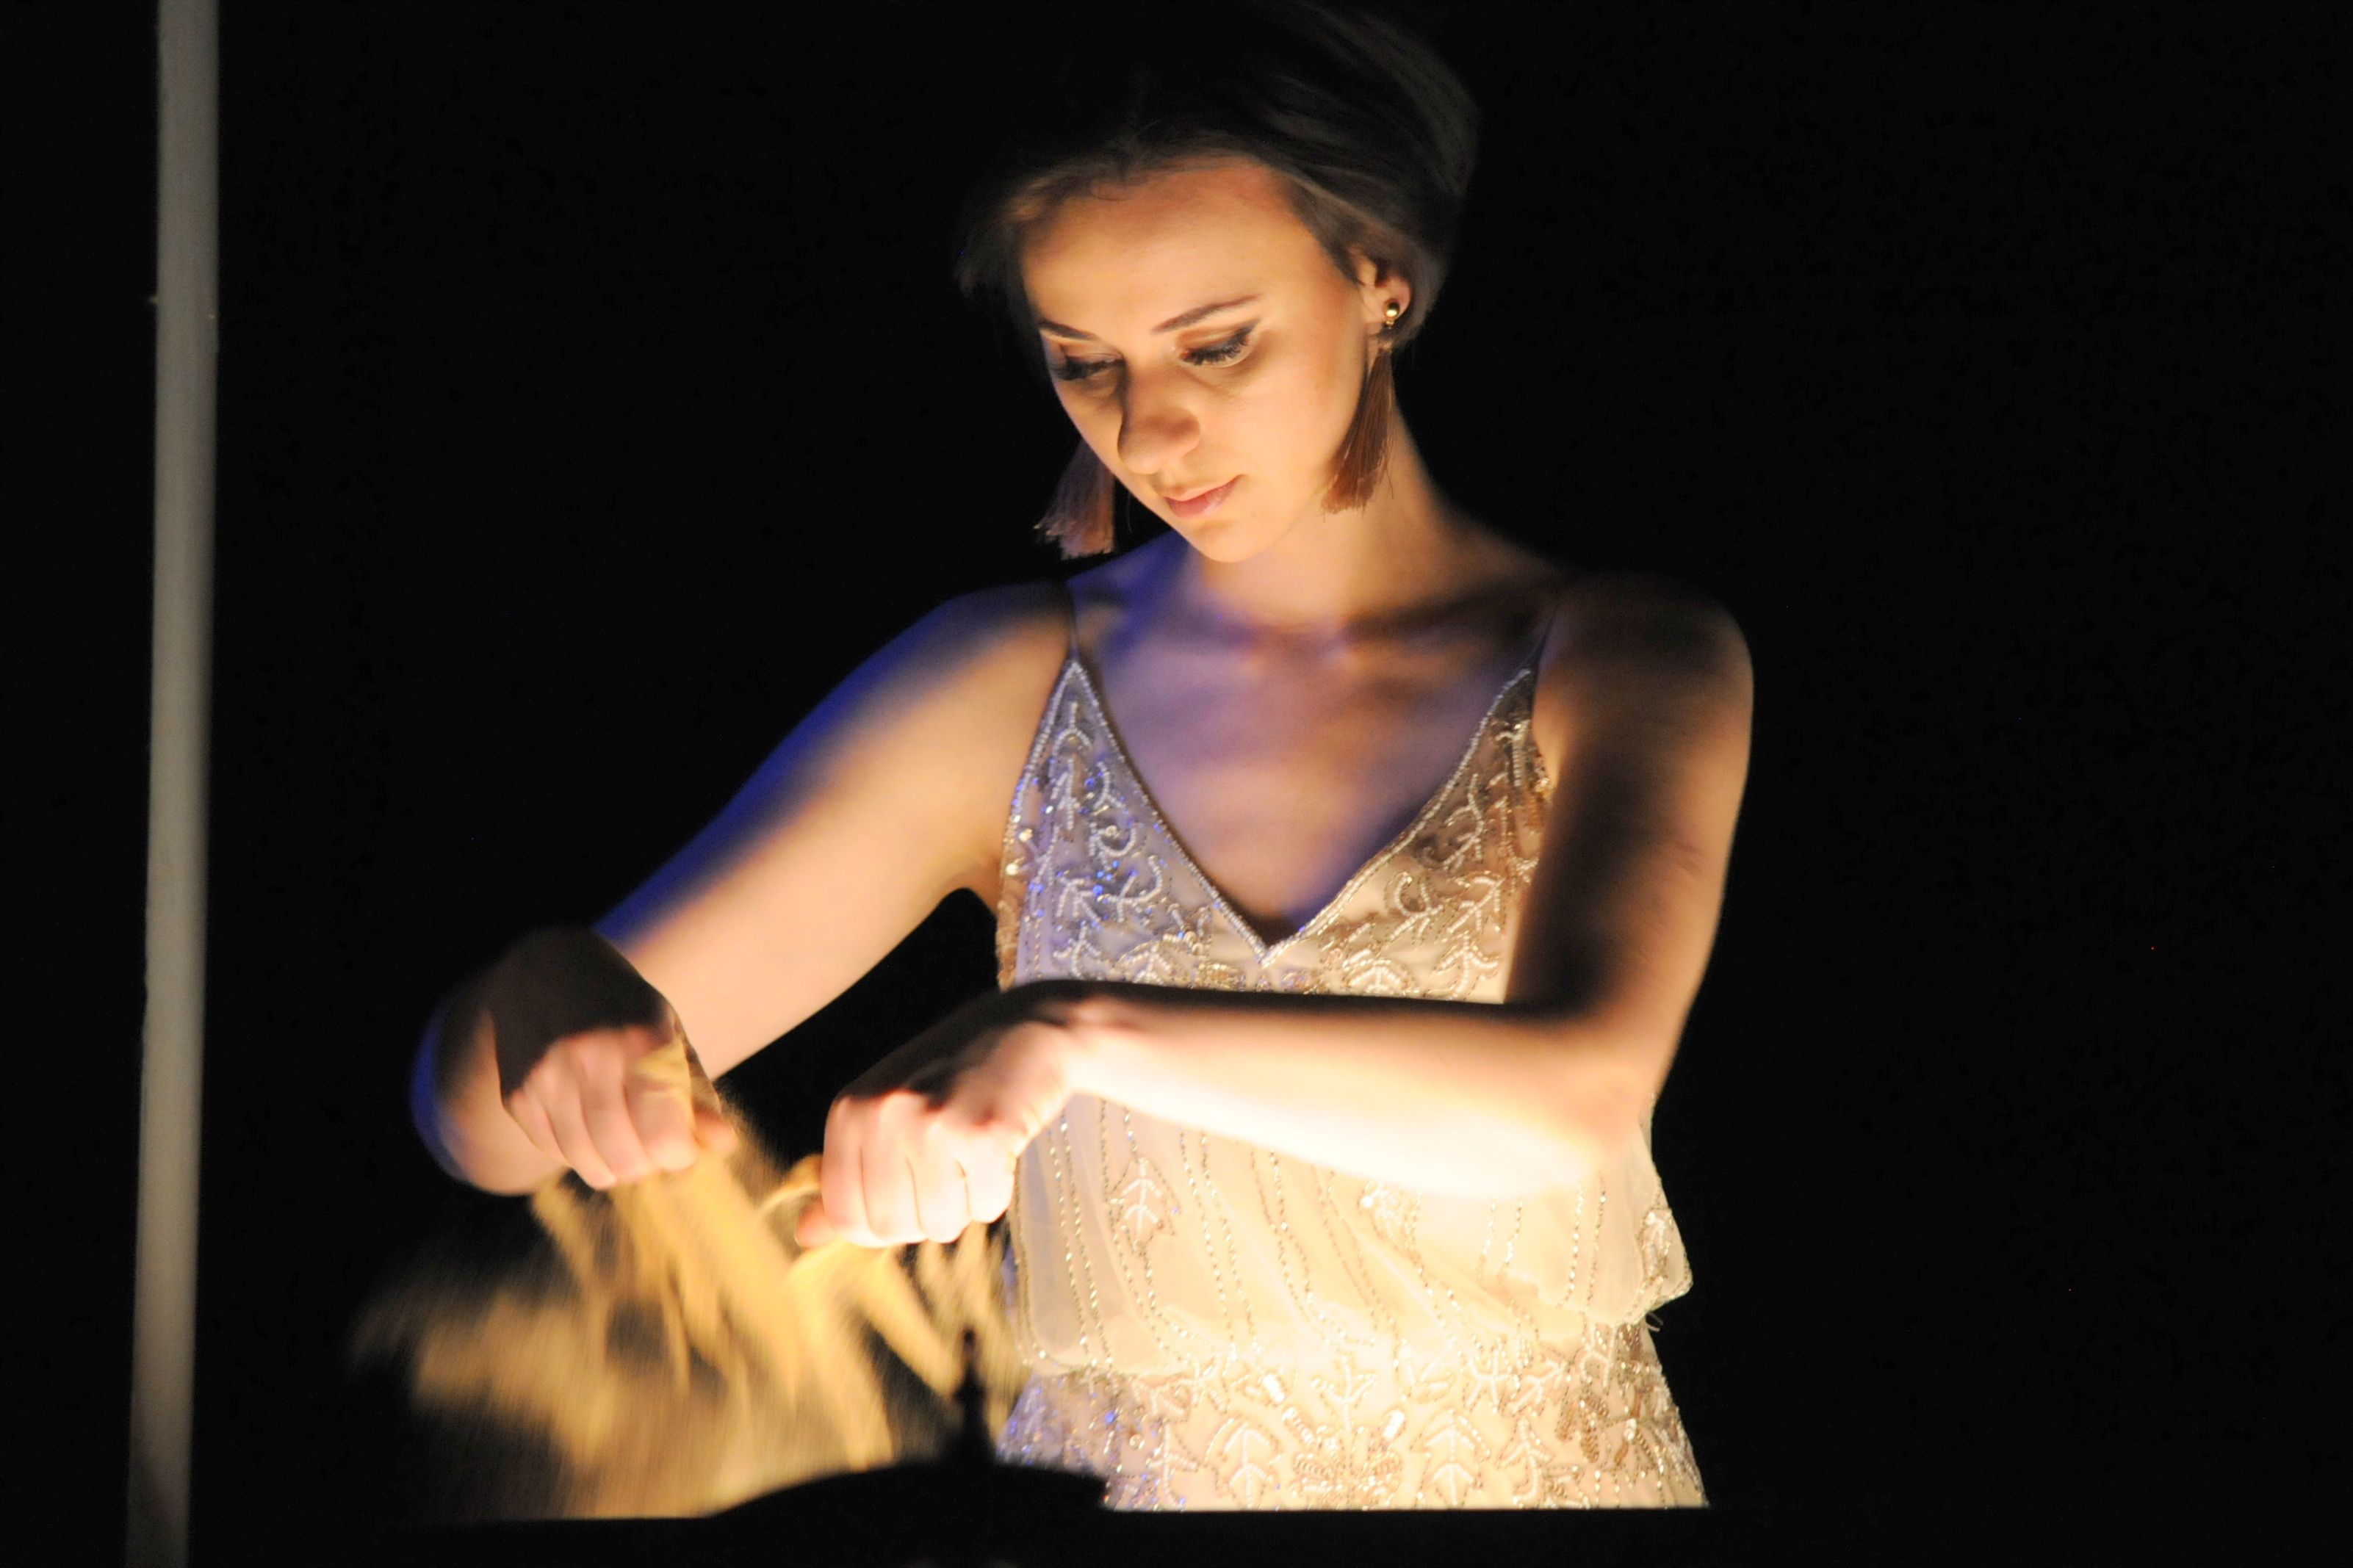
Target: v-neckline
(1262, 950)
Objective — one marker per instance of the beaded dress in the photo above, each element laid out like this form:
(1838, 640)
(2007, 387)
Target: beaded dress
(1211, 1324)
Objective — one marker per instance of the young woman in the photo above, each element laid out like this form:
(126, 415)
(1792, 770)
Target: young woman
(1355, 867)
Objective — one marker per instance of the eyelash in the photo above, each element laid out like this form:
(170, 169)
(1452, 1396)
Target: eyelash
(1215, 354)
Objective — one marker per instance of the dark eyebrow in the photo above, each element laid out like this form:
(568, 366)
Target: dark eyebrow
(1184, 320)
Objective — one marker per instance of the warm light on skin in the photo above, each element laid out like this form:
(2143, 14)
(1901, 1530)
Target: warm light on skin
(1162, 420)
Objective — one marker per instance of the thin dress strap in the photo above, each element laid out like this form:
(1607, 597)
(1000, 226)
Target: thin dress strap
(1544, 633)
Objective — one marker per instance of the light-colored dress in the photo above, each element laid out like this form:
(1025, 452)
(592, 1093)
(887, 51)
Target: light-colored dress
(1216, 1325)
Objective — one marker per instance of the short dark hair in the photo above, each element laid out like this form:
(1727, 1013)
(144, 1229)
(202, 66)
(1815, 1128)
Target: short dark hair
(1373, 136)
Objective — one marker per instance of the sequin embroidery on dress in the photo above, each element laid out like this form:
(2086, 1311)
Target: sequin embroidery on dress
(1215, 1325)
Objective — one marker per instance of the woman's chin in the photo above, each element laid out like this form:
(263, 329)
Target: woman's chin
(1222, 538)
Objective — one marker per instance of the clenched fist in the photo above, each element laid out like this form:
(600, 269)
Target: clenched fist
(592, 1063)
(924, 1144)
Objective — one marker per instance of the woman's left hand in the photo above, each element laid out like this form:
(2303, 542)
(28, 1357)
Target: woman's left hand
(923, 1144)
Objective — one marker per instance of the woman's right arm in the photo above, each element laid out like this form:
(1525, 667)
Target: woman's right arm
(889, 796)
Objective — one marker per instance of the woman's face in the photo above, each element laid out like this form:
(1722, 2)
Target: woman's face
(1259, 391)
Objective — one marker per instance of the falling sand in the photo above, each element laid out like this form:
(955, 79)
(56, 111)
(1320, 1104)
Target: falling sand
(681, 1353)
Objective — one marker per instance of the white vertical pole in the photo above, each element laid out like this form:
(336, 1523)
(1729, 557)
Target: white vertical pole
(187, 345)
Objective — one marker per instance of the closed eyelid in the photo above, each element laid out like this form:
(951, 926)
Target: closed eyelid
(1228, 338)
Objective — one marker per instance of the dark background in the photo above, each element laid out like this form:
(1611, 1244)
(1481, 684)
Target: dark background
(594, 398)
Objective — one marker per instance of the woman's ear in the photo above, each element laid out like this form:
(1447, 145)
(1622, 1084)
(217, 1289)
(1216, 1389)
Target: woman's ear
(1377, 285)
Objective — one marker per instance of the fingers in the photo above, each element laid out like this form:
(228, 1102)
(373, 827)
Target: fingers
(604, 1108)
(574, 1146)
(915, 1182)
(813, 1228)
(890, 1195)
(841, 1185)
(713, 1130)
(942, 1195)
(528, 1116)
(895, 1171)
(663, 1119)
(988, 1171)
(931, 1193)
(589, 1105)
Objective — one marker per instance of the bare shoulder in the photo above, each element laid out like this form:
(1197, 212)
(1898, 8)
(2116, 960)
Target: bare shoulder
(969, 681)
(974, 644)
(1620, 621)
(1637, 658)
(949, 709)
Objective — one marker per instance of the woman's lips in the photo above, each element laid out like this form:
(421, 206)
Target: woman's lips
(1203, 504)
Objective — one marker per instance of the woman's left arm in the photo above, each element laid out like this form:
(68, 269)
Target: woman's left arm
(1645, 700)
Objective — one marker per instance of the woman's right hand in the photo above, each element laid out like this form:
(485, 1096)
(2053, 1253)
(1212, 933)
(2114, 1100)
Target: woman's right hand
(593, 1065)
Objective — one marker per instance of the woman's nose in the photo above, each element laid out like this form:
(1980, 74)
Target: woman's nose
(1158, 427)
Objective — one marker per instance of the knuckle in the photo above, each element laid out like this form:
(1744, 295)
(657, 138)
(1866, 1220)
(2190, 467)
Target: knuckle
(585, 1050)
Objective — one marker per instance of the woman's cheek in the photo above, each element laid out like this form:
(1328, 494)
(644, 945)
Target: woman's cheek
(1268, 413)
